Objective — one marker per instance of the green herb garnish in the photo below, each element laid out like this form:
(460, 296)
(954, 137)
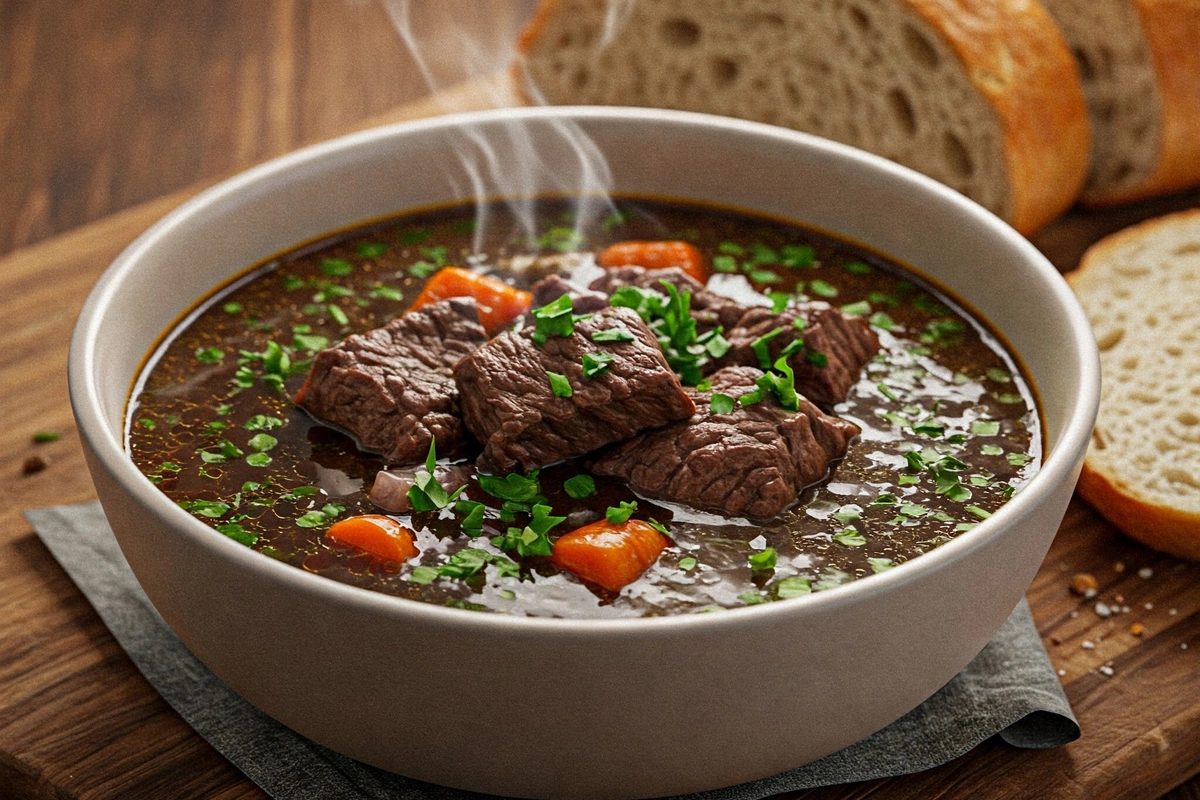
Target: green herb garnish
(426, 493)
(579, 486)
(595, 365)
(721, 403)
(620, 514)
(553, 319)
(763, 560)
(559, 384)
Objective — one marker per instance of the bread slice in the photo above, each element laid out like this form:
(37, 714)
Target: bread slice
(1141, 291)
(982, 95)
(1140, 65)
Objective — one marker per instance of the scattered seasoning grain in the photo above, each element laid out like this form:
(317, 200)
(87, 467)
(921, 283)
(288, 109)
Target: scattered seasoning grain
(1084, 582)
(1118, 598)
(1124, 609)
(1090, 593)
(1103, 611)
(1119, 566)
(1062, 672)
(42, 437)
(1145, 573)
(1088, 645)
(1074, 614)
(1183, 645)
(1149, 606)
(1171, 612)
(33, 464)
(1106, 671)
(1137, 629)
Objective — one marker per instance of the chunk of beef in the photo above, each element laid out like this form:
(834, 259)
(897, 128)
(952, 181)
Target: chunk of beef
(751, 462)
(836, 347)
(507, 401)
(709, 308)
(393, 388)
(583, 301)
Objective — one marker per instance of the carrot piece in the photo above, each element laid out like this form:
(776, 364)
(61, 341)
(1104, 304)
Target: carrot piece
(609, 555)
(655, 255)
(378, 535)
(499, 303)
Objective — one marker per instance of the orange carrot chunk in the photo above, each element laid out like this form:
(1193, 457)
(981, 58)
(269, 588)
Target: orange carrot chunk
(499, 304)
(655, 255)
(378, 535)
(609, 555)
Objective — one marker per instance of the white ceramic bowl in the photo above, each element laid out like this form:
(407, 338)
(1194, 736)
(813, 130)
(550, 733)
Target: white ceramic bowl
(582, 708)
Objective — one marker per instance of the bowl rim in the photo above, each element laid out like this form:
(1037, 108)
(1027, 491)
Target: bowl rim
(110, 453)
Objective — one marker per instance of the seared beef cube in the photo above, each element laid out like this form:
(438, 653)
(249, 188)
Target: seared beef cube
(510, 406)
(393, 388)
(836, 347)
(583, 301)
(751, 462)
(708, 308)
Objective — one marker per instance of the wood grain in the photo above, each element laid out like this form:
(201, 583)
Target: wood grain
(76, 718)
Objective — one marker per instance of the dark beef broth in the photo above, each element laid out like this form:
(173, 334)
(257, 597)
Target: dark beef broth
(197, 433)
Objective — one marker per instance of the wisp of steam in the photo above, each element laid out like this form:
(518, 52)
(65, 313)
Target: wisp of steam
(451, 53)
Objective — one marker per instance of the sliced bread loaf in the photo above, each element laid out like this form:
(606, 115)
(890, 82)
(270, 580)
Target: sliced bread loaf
(1141, 291)
(982, 95)
(1140, 65)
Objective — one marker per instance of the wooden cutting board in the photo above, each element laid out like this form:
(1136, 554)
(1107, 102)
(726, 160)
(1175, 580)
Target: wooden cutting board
(78, 721)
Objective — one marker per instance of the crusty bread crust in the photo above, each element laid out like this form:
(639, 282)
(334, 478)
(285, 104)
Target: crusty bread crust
(1172, 31)
(1167, 529)
(1118, 487)
(1016, 56)
(1016, 60)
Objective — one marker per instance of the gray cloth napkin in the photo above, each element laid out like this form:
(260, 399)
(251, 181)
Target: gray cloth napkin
(1010, 689)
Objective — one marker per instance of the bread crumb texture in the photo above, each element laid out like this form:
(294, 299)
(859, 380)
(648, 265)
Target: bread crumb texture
(951, 89)
(1140, 289)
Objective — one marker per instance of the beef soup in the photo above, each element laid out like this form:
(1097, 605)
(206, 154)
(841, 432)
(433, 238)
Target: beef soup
(682, 409)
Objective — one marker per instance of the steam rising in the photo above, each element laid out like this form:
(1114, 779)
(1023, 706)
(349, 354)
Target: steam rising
(513, 166)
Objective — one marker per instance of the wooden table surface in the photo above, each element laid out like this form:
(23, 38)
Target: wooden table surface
(110, 115)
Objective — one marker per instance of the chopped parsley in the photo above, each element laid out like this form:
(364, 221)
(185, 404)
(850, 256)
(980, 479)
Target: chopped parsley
(721, 403)
(850, 537)
(579, 486)
(553, 319)
(763, 560)
(426, 493)
(559, 384)
(532, 540)
(616, 334)
(792, 587)
(595, 365)
(620, 514)
(336, 267)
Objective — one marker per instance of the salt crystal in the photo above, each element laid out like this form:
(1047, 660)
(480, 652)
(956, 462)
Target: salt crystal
(1089, 594)
(1087, 645)
(1108, 671)
(1171, 612)
(1124, 609)
(1149, 606)
(1062, 672)
(1074, 614)
(1183, 646)
(1145, 573)
(1102, 610)
(758, 543)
